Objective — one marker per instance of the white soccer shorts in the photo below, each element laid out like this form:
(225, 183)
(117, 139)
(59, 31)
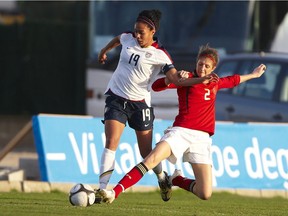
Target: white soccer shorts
(189, 145)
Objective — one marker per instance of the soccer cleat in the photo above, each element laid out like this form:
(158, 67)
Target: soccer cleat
(165, 188)
(176, 173)
(107, 196)
(98, 197)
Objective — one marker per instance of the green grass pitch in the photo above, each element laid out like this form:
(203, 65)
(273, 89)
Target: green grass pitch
(138, 204)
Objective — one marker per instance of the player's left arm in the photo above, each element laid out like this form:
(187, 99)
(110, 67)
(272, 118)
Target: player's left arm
(257, 72)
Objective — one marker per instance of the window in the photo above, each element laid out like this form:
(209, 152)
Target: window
(192, 24)
(244, 69)
(284, 89)
(262, 87)
(226, 69)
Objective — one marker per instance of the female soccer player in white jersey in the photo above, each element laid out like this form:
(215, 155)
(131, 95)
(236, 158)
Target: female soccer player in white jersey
(190, 136)
(142, 58)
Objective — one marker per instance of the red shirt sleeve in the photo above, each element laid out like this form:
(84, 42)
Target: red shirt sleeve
(229, 81)
(160, 85)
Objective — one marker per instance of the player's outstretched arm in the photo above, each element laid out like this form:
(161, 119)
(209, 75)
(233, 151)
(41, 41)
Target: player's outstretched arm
(257, 72)
(102, 57)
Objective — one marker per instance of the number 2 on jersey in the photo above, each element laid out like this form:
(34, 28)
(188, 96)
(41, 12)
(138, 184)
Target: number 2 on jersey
(207, 94)
(134, 58)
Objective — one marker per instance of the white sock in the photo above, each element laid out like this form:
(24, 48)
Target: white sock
(159, 172)
(161, 176)
(106, 168)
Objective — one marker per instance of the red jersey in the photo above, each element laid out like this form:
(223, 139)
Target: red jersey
(197, 102)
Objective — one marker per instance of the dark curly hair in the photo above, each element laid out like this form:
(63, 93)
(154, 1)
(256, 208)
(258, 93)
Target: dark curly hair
(150, 17)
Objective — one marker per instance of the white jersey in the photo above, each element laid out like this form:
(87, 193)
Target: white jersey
(137, 69)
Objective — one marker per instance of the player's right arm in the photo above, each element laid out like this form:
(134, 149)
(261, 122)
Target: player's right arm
(164, 83)
(176, 78)
(102, 57)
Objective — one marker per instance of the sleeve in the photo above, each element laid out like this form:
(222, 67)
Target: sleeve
(165, 60)
(125, 36)
(160, 85)
(229, 81)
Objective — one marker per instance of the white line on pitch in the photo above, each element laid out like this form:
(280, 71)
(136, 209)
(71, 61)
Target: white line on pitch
(55, 156)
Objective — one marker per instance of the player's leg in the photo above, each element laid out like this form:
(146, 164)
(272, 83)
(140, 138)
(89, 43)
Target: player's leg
(203, 183)
(114, 120)
(200, 159)
(201, 186)
(113, 132)
(159, 153)
(141, 120)
(144, 139)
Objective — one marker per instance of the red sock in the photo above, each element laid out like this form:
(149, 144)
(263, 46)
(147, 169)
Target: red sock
(131, 178)
(185, 183)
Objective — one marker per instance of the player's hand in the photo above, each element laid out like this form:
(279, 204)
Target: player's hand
(102, 57)
(212, 77)
(183, 75)
(258, 71)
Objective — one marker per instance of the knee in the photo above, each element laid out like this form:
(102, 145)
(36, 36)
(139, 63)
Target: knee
(150, 162)
(205, 195)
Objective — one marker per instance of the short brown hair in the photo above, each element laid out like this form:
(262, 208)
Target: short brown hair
(207, 51)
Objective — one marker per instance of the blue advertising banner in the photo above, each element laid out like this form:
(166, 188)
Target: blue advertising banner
(250, 156)
(245, 155)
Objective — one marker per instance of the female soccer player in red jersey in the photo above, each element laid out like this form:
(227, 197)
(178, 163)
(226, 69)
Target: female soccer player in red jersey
(190, 136)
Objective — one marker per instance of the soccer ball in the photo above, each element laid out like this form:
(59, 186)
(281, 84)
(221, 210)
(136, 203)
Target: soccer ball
(82, 195)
